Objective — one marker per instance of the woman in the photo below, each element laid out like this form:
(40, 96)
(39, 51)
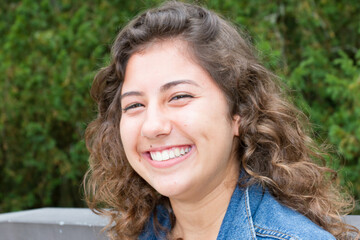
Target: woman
(195, 140)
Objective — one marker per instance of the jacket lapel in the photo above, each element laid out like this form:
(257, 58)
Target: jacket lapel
(237, 223)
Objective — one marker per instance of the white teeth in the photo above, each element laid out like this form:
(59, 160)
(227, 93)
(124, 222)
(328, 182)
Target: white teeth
(165, 155)
(177, 152)
(158, 156)
(169, 154)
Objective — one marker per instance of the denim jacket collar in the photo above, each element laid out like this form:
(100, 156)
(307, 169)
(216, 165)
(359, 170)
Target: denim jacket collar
(238, 218)
(253, 212)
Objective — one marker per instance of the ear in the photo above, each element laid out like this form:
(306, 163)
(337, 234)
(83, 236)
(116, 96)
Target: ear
(236, 124)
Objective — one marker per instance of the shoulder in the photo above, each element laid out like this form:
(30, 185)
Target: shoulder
(273, 220)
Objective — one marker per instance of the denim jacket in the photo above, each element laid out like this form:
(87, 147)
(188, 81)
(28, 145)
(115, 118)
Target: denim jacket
(255, 214)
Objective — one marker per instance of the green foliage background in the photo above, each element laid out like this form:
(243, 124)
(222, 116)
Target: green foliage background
(51, 50)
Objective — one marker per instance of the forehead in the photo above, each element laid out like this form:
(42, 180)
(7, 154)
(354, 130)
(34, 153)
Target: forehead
(161, 62)
(170, 48)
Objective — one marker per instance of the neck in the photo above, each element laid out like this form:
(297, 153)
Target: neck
(201, 219)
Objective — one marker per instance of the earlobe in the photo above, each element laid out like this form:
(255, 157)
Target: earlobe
(236, 124)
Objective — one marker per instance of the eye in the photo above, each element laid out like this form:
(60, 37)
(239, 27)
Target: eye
(181, 96)
(132, 106)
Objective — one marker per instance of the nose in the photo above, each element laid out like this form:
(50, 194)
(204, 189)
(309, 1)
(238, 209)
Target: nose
(156, 123)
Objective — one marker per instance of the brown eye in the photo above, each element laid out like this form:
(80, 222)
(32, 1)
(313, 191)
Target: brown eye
(132, 106)
(177, 97)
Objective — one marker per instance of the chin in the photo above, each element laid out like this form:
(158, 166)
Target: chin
(172, 189)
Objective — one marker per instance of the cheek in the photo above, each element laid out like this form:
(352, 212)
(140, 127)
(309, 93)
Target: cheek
(128, 134)
(200, 124)
(186, 120)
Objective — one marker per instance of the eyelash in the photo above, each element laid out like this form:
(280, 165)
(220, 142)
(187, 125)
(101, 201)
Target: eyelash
(136, 105)
(177, 97)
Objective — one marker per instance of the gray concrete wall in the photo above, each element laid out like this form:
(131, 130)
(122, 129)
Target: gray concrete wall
(353, 220)
(52, 224)
(65, 224)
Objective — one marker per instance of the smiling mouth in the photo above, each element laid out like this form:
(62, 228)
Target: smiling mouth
(171, 153)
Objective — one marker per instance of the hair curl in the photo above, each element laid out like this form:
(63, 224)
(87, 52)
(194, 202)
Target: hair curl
(274, 148)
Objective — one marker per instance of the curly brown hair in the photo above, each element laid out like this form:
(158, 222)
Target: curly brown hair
(274, 148)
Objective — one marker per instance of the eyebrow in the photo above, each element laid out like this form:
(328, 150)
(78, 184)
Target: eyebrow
(163, 88)
(171, 84)
(131, 93)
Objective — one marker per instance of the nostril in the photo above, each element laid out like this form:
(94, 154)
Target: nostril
(155, 127)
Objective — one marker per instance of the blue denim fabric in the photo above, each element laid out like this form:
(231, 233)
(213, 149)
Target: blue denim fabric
(255, 214)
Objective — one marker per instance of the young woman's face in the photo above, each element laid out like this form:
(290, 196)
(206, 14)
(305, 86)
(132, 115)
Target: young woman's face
(175, 125)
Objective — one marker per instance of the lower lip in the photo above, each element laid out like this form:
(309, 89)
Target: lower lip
(170, 162)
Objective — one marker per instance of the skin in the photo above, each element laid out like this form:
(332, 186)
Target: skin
(168, 101)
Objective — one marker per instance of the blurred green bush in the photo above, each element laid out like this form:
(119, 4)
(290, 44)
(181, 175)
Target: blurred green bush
(51, 50)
